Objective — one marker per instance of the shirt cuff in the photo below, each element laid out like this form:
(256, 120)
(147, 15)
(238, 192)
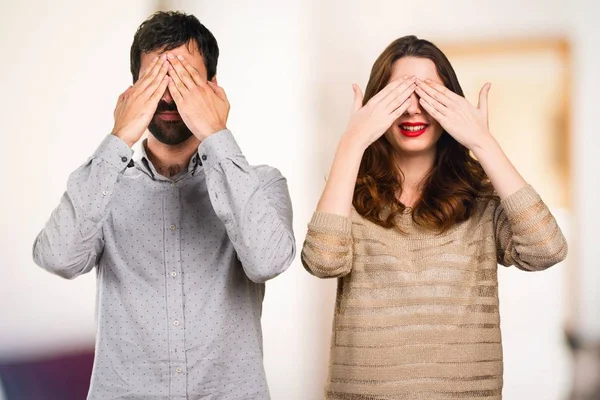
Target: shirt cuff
(218, 146)
(115, 152)
(330, 222)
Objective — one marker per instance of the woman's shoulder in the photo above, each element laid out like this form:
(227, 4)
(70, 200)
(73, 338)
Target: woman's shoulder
(486, 205)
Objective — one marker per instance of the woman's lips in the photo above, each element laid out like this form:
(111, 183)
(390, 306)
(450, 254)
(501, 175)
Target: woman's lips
(413, 129)
(169, 116)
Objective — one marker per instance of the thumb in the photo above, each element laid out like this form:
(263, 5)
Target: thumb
(358, 98)
(483, 98)
(217, 89)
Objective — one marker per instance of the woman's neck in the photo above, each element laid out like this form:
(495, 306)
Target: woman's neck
(414, 168)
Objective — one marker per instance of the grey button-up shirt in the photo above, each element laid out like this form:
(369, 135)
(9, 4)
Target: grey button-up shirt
(181, 267)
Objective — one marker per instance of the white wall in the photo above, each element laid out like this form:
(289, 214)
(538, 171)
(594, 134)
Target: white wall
(287, 68)
(64, 64)
(586, 126)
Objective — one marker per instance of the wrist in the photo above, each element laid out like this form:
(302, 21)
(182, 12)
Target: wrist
(350, 142)
(124, 138)
(485, 143)
(200, 135)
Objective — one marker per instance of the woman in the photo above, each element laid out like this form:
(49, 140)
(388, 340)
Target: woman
(414, 227)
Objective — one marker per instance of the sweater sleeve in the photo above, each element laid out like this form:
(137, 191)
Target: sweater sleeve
(327, 250)
(526, 232)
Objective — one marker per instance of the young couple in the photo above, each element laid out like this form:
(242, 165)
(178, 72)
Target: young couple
(419, 208)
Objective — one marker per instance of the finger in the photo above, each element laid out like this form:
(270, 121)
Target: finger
(403, 92)
(196, 77)
(386, 90)
(184, 75)
(143, 83)
(219, 91)
(397, 113)
(212, 86)
(434, 93)
(181, 87)
(175, 93)
(160, 90)
(398, 91)
(148, 68)
(119, 105)
(431, 110)
(121, 97)
(483, 97)
(431, 100)
(157, 81)
(125, 95)
(443, 89)
(358, 98)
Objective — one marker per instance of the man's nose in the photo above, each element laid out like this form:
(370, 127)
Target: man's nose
(167, 98)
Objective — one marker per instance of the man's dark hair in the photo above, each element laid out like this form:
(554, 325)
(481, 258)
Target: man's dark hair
(169, 30)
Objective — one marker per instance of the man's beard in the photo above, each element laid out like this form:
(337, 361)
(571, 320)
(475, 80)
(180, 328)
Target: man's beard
(168, 132)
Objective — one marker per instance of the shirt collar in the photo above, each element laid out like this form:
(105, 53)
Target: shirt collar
(143, 163)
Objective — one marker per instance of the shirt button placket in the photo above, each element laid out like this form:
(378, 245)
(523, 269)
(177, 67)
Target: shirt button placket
(174, 292)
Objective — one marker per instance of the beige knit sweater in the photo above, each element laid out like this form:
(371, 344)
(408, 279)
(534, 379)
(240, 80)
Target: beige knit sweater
(416, 314)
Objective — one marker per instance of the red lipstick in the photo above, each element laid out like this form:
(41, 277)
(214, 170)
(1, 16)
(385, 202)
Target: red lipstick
(413, 129)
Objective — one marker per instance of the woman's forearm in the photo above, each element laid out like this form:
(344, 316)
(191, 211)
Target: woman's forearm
(503, 174)
(339, 189)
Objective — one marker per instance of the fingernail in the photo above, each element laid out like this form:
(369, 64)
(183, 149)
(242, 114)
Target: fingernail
(180, 57)
(170, 56)
(154, 59)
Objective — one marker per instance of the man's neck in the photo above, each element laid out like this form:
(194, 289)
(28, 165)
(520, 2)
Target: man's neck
(171, 160)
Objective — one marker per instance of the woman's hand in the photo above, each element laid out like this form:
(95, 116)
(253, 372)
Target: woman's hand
(372, 120)
(466, 123)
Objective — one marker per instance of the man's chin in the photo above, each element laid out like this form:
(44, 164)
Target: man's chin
(171, 138)
(169, 132)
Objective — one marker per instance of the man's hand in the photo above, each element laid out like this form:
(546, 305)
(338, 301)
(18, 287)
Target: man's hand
(203, 105)
(137, 105)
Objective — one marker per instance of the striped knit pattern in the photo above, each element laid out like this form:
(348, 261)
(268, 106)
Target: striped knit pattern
(416, 313)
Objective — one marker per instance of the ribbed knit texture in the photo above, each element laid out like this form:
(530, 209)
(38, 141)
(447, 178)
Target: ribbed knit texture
(416, 313)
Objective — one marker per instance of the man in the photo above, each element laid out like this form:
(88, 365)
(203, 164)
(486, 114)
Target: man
(183, 238)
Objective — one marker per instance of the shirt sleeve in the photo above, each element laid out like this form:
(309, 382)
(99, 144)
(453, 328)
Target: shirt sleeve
(71, 242)
(253, 204)
(327, 250)
(526, 232)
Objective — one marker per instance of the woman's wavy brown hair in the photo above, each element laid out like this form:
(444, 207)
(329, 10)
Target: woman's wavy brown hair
(456, 180)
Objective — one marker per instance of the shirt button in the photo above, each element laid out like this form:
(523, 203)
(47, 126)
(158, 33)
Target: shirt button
(178, 370)
(104, 192)
(204, 157)
(124, 159)
(172, 227)
(176, 323)
(172, 184)
(173, 274)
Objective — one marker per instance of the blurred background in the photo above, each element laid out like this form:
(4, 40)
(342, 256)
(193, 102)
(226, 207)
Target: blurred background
(288, 67)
